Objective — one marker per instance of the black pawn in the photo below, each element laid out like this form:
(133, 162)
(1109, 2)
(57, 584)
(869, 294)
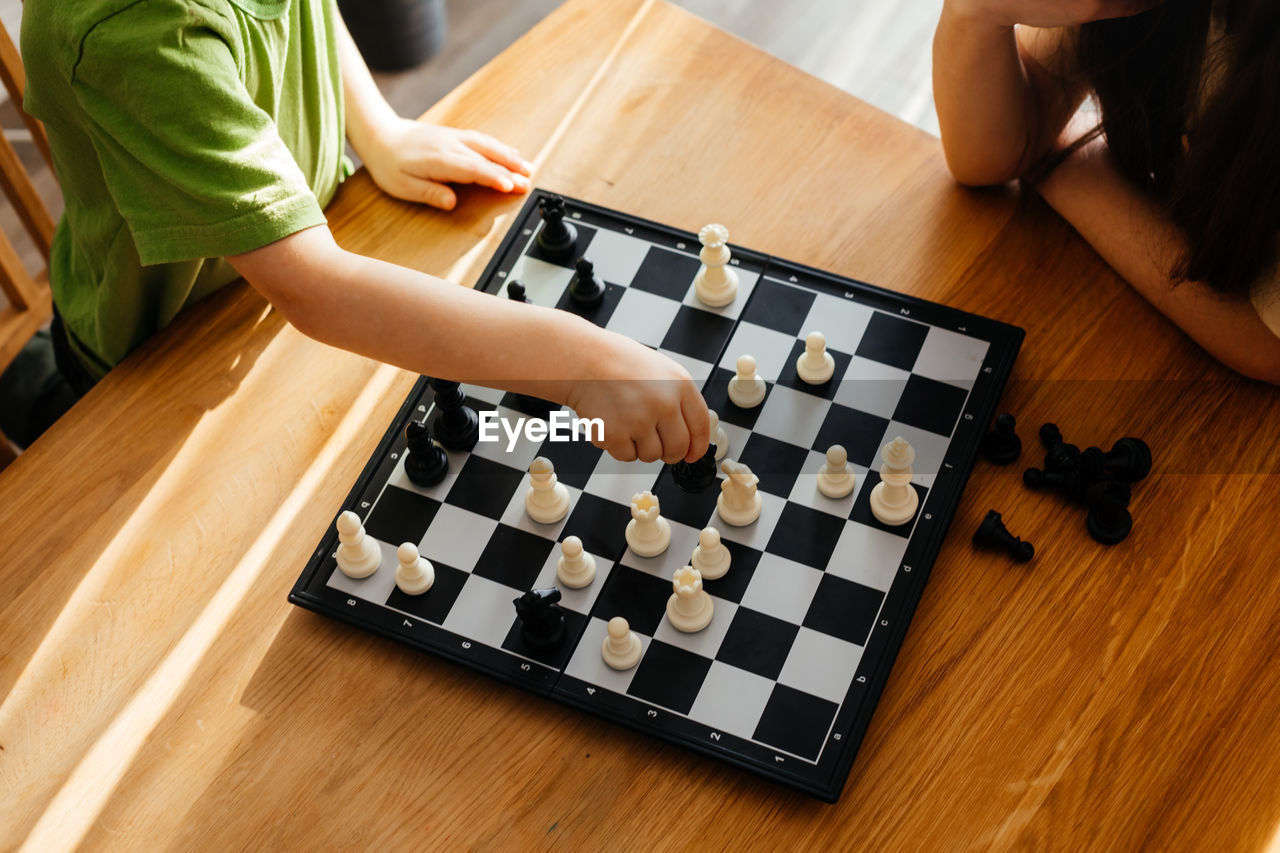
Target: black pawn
(586, 289)
(515, 291)
(694, 477)
(1058, 454)
(541, 619)
(557, 237)
(1128, 460)
(458, 427)
(1068, 482)
(1109, 521)
(992, 533)
(426, 462)
(1002, 446)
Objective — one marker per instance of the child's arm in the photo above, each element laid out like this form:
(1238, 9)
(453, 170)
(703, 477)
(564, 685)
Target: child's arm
(412, 160)
(1137, 239)
(650, 407)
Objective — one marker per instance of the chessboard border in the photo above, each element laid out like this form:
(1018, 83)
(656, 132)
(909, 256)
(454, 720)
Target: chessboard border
(827, 776)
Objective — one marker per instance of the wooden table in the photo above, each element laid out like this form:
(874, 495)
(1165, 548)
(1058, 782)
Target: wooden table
(159, 692)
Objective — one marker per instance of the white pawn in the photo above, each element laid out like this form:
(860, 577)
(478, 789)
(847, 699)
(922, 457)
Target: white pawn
(648, 533)
(547, 500)
(746, 390)
(835, 478)
(715, 284)
(690, 607)
(621, 649)
(718, 436)
(739, 501)
(575, 568)
(415, 574)
(710, 556)
(358, 554)
(893, 501)
(815, 365)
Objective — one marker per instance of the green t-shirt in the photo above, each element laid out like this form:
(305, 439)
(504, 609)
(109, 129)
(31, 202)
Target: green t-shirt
(182, 131)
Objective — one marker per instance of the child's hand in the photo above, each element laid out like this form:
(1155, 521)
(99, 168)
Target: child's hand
(415, 161)
(1050, 13)
(650, 407)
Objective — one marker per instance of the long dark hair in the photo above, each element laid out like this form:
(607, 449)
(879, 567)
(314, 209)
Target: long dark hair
(1199, 128)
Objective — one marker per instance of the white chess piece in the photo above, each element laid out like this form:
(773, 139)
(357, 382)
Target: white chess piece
(893, 501)
(621, 649)
(715, 284)
(718, 436)
(739, 501)
(547, 500)
(835, 478)
(575, 568)
(815, 365)
(358, 553)
(746, 390)
(710, 556)
(415, 574)
(690, 607)
(648, 533)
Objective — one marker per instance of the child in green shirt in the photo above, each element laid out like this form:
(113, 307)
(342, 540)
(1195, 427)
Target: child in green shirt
(198, 141)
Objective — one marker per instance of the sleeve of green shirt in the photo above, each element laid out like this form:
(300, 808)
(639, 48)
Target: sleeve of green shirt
(194, 166)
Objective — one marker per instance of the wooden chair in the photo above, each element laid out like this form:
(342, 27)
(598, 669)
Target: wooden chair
(29, 303)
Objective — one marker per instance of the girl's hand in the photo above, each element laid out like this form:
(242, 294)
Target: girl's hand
(1048, 13)
(416, 161)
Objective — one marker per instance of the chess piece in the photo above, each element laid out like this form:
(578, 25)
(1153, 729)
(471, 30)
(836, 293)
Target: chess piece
(575, 568)
(715, 284)
(690, 607)
(694, 477)
(835, 478)
(815, 365)
(747, 389)
(993, 534)
(739, 500)
(621, 649)
(541, 618)
(586, 290)
(710, 556)
(516, 291)
(556, 237)
(358, 553)
(415, 574)
(1128, 460)
(547, 500)
(425, 462)
(458, 425)
(718, 436)
(1058, 454)
(1002, 446)
(893, 500)
(1109, 521)
(648, 533)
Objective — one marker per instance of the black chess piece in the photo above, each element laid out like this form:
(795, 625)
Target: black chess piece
(1109, 521)
(992, 533)
(426, 463)
(458, 426)
(1128, 460)
(541, 618)
(586, 289)
(1058, 453)
(1068, 482)
(694, 477)
(1002, 446)
(557, 237)
(515, 291)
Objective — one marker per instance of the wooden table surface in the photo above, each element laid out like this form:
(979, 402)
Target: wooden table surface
(160, 693)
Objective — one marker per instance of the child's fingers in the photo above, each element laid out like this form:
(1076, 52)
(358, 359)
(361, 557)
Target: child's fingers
(675, 437)
(649, 446)
(624, 450)
(499, 152)
(471, 168)
(698, 422)
(428, 192)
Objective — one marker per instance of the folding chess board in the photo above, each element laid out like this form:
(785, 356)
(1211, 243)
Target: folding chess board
(814, 607)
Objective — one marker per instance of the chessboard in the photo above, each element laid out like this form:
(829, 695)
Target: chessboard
(811, 614)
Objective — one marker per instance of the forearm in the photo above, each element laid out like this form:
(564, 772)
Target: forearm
(366, 110)
(1131, 232)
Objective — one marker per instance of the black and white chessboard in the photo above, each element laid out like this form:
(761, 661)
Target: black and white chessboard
(812, 612)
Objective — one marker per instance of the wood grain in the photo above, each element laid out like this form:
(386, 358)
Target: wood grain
(161, 694)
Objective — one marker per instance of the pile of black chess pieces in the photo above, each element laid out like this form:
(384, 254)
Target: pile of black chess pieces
(1099, 480)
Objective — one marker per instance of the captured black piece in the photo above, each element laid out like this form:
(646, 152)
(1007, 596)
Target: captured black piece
(696, 476)
(557, 237)
(515, 291)
(1109, 521)
(586, 289)
(1058, 454)
(1002, 446)
(1068, 482)
(426, 463)
(458, 426)
(1128, 460)
(992, 533)
(541, 618)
